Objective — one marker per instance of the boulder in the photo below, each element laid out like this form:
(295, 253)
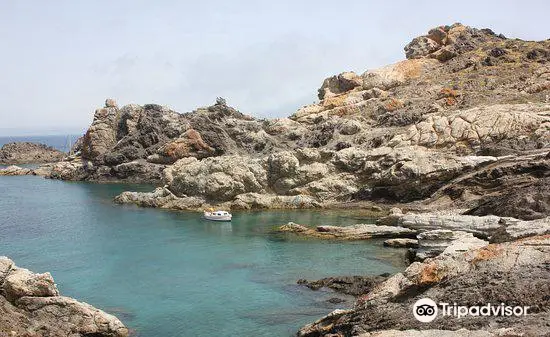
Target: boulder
(21, 282)
(218, 178)
(339, 84)
(30, 305)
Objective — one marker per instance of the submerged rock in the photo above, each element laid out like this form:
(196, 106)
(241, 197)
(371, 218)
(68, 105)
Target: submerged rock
(349, 285)
(30, 305)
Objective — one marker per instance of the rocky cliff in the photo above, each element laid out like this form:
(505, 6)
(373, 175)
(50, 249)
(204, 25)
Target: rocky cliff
(31, 306)
(460, 123)
(28, 153)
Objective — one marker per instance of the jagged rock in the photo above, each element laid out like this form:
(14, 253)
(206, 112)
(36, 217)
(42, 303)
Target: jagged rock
(30, 305)
(497, 273)
(445, 42)
(396, 74)
(492, 227)
(525, 202)
(455, 124)
(67, 170)
(339, 84)
(29, 153)
(21, 282)
(489, 124)
(217, 178)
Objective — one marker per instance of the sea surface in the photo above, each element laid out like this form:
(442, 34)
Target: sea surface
(171, 274)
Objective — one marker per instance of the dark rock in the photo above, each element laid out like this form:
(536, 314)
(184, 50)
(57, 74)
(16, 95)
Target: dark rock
(349, 285)
(523, 202)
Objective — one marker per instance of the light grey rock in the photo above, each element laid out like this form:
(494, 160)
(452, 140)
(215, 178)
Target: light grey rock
(21, 282)
(30, 305)
(401, 243)
(467, 223)
(434, 242)
(13, 170)
(353, 232)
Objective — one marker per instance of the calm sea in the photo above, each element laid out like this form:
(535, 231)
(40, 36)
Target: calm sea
(172, 274)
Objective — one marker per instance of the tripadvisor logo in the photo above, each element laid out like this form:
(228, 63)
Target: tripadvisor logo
(425, 310)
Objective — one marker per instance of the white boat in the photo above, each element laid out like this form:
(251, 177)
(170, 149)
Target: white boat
(217, 216)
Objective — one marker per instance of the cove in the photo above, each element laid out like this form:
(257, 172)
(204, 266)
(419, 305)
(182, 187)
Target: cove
(172, 274)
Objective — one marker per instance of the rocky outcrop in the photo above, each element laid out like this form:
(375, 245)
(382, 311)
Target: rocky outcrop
(497, 273)
(462, 122)
(349, 285)
(445, 42)
(491, 227)
(30, 305)
(28, 153)
(401, 243)
(442, 241)
(14, 170)
(353, 232)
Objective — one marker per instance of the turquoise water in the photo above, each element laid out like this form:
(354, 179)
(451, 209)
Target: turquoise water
(171, 274)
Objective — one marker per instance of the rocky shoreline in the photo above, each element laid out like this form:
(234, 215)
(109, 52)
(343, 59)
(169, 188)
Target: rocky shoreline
(496, 273)
(30, 305)
(457, 135)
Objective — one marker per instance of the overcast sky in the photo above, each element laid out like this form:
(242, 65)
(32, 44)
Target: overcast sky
(59, 60)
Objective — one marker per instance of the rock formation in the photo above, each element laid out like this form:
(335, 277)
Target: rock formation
(497, 273)
(457, 134)
(28, 153)
(31, 306)
(460, 123)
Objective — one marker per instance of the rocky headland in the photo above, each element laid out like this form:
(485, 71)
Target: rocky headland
(28, 153)
(462, 122)
(31, 306)
(457, 136)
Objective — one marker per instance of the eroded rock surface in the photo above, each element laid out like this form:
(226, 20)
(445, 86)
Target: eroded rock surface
(462, 122)
(30, 305)
(497, 273)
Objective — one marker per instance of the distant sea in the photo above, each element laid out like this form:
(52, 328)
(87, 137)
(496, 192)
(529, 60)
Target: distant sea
(60, 142)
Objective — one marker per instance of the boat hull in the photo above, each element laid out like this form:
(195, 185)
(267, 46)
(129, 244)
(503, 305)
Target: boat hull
(217, 218)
